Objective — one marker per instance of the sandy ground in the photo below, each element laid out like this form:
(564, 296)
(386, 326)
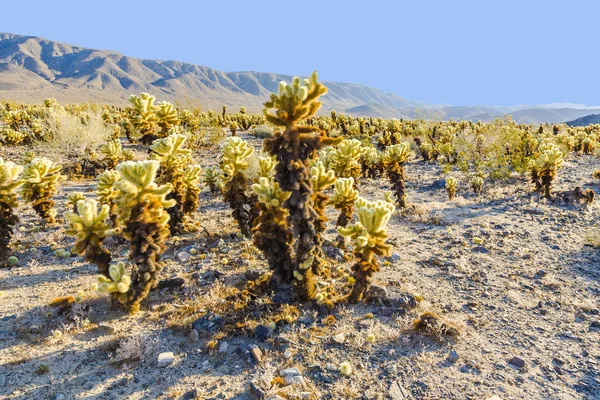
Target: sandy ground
(531, 290)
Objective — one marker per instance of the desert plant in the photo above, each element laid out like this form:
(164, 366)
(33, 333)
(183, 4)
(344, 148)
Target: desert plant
(394, 158)
(368, 236)
(320, 179)
(212, 178)
(547, 163)
(191, 181)
(451, 187)
(596, 174)
(106, 190)
(477, 184)
(41, 177)
(263, 131)
(113, 153)
(141, 211)
(73, 198)
(371, 162)
(166, 116)
(266, 167)
(293, 148)
(144, 118)
(345, 159)
(234, 164)
(9, 182)
(118, 281)
(344, 196)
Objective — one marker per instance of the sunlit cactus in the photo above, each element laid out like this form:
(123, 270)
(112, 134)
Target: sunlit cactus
(266, 167)
(451, 187)
(41, 177)
(344, 196)
(371, 162)
(321, 179)
(233, 127)
(271, 231)
(107, 191)
(394, 159)
(89, 227)
(477, 184)
(73, 198)
(9, 182)
(141, 211)
(191, 180)
(118, 281)
(113, 153)
(345, 159)
(368, 236)
(234, 164)
(167, 116)
(144, 115)
(212, 178)
(546, 164)
(293, 148)
(11, 137)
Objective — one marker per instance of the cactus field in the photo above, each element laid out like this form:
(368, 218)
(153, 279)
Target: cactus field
(159, 251)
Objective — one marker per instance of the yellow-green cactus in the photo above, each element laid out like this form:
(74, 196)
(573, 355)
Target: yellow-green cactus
(141, 211)
(41, 177)
(167, 116)
(394, 159)
(73, 198)
(212, 178)
(368, 235)
(451, 187)
(477, 184)
(191, 180)
(546, 164)
(118, 281)
(320, 179)
(107, 191)
(113, 153)
(144, 117)
(234, 163)
(9, 182)
(345, 159)
(266, 167)
(371, 162)
(11, 137)
(88, 225)
(344, 196)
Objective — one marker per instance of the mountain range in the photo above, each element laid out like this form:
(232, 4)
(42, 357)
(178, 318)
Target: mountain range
(32, 69)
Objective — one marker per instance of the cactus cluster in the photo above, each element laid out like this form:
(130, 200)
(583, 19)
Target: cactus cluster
(9, 182)
(40, 179)
(544, 167)
(394, 158)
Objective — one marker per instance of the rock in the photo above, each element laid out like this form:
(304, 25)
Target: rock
(252, 274)
(256, 354)
(165, 359)
(438, 184)
(340, 338)
(2, 380)
(540, 274)
(292, 376)
(209, 277)
(8, 317)
(60, 396)
(480, 249)
(108, 328)
(517, 362)
(209, 322)
(377, 293)
(395, 257)
(256, 391)
(223, 347)
(190, 394)
(334, 253)
(174, 283)
(595, 324)
(183, 256)
(453, 357)
(194, 336)
(306, 319)
(262, 332)
(397, 392)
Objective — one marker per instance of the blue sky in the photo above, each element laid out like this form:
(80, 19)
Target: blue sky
(441, 52)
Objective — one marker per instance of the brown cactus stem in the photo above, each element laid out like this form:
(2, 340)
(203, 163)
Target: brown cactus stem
(176, 212)
(396, 176)
(239, 202)
(320, 202)
(363, 272)
(7, 221)
(190, 203)
(99, 256)
(147, 243)
(546, 185)
(535, 179)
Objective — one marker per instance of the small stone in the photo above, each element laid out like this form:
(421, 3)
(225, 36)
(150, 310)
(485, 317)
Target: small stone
(225, 250)
(223, 347)
(252, 274)
(287, 354)
(340, 338)
(595, 324)
(292, 376)
(8, 317)
(108, 328)
(2, 380)
(194, 336)
(256, 391)
(165, 359)
(517, 362)
(183, 256)
(209, 322)
(174, 283)
(540, 274)
(481, 249)
(334, 253)
(306, 319)
(395, 257)
(256, 354)
(262, 332)
(453, 357)
(60, 396)
(397, 392)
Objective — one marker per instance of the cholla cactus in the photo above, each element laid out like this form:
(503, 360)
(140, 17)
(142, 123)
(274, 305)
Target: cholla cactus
(9, 182)
(546, 164)
(293, 148)
(107, 191)
(394, 159)
(371, 162)
(27, 156)
(344, 196)
(73, 198)
(596, 174)
(173, 158)
(167, 116)
(113, 153)
(345, 159)
(212, 178)
(368, 235)
(141, 211)
(41, 177)
(266, 167)
(234, 164)
(144, 117)
(191, 181)
(11, 137)
(477, 184)
(88, 225)
(451, 187)
(320, 180)
(427, 151)
(118, 282)
(271, 231)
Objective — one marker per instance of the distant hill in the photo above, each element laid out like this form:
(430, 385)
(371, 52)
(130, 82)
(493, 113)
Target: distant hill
(32, 69)
(585, 121)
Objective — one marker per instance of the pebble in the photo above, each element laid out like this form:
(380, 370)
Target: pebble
(223, 347)
(194, 336)
(481, 249)
(306, 319)
(517, 362)
(398, 392)
(256, 354)
(595, 324)
(292, 376)
(165, 359)
(340, 338)
(60, 396)
(262, 332)
(256, 391)
(184, 256)
(252, 274)
(208, 323)
(2, 380)
(453, 357)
